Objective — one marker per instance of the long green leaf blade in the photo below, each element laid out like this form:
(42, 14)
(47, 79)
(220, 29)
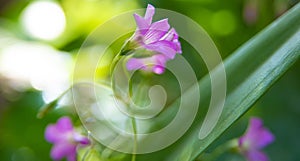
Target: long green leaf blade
(250, 72)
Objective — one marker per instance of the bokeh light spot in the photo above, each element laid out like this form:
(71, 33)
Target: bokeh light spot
(38, 65)
(44, 20)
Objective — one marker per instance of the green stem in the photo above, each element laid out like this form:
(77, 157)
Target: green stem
(113, 83)
(232, 144)
(133, 121)
(138, 99)
(138, 96)
(112, 67)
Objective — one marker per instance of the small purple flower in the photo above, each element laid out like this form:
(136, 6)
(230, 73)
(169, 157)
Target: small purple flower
(65, 139)
(156, 37)
(255, 138)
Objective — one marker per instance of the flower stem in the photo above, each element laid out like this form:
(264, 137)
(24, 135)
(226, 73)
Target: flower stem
(218, 151)
(133, 121)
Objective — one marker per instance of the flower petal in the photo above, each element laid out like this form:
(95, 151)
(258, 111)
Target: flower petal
(59, 131)
(81, 139)
(134, 64)
(178, 46)
(71, 157)
(64, 124)
(52, 134)
(160, 59)
(171, 35)
(264, 138)
(160, 63)
(255, 124)
(149, 13)
(256, 155)
(142, 24)
(156, 31)
(257, 135)
(63, 149)
(166, 48)
(158, 69)
(155, 63)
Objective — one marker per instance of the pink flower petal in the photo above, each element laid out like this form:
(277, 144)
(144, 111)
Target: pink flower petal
(52, 134)
(166, 48)
(256, 155)
(160, 63)
(160, 59)
(56, 132)
(171, 35)
(156, 31)
(149, 13)
(64, 124)
(63, 149)
(257, 136)
(142, 24)
(158, 69)
(134, 64)
(264, 138)
(81, 139)
(72, 157)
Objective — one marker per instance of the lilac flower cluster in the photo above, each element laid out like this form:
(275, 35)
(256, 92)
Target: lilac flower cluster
(156, 37)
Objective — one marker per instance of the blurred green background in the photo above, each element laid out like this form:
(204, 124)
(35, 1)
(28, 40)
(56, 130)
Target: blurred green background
(39, 41)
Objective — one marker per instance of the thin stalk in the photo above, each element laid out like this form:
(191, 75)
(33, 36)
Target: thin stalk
(232, 144)
(134, 127)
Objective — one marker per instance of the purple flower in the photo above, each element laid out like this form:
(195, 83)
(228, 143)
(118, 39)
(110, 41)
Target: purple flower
(65, 139)
(255, 138)
(156, 37)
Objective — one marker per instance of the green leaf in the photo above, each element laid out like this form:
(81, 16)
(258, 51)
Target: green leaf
(250, 72)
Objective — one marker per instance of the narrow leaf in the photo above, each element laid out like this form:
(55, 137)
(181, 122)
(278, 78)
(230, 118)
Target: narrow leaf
(250, 72)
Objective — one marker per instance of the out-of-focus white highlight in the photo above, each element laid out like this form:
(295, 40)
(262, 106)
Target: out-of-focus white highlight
(40, 66)
(44, 20)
